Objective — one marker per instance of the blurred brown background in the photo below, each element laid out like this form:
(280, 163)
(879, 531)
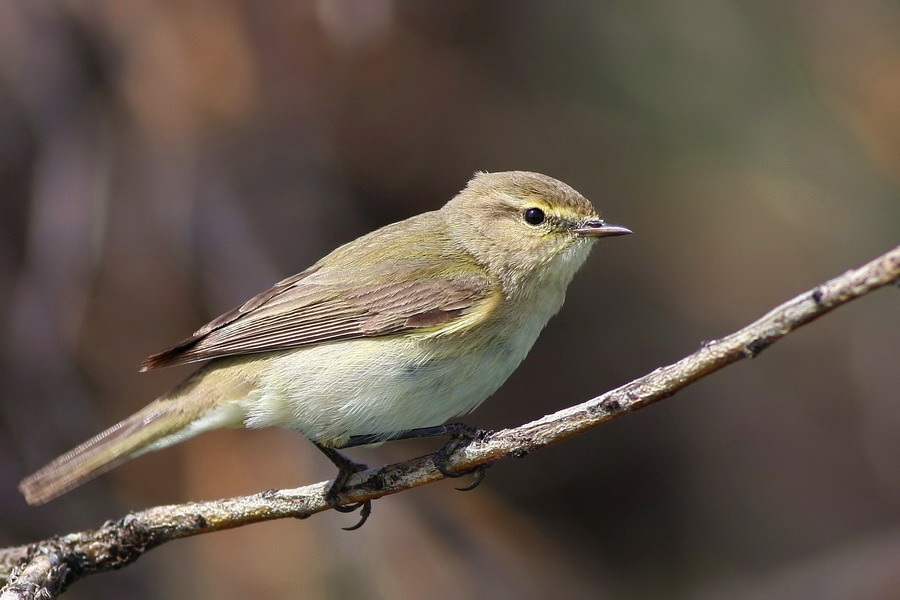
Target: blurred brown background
(162, 161)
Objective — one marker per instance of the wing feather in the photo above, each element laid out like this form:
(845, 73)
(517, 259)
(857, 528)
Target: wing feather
(318, 306)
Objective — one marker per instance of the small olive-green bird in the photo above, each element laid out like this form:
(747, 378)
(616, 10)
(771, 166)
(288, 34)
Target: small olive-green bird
(404, 328)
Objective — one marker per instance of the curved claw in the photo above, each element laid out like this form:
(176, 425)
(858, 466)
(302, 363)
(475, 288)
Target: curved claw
(344, 508)
(440, 463)
(346, 468)
(365, 510)
(477, 478)
(364, 507)
(460, 434)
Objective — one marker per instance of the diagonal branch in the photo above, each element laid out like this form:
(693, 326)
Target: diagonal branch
(49, 566)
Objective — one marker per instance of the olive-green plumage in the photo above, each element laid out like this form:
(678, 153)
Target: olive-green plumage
(406, 327)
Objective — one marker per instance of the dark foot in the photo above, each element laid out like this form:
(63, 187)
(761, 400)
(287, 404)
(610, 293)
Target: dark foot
(460, 435)
(346, 468)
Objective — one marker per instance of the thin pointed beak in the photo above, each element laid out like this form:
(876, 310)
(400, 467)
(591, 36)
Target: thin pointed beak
(600, 229)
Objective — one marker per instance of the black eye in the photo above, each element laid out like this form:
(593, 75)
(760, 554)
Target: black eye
(534, 216)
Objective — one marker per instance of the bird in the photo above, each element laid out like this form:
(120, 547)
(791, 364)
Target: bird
(404, 328)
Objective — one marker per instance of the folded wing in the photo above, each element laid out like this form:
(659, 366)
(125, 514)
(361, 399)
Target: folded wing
(319, 306)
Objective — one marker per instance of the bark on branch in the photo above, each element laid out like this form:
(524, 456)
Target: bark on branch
(47, 567)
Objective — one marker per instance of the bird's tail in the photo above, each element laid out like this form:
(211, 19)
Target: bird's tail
(185, 412)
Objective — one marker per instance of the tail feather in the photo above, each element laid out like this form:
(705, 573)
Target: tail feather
(165, 421)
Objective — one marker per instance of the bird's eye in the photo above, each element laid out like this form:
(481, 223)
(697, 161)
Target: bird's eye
(534, 216)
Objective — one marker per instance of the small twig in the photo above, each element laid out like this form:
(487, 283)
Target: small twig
(41, 577)
(49, 566)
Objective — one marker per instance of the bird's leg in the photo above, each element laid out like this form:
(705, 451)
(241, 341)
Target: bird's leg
(459, 433)
(449, 429)
(346, 468)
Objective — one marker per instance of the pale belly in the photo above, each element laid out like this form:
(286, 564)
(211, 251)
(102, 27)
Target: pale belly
(378, 386)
